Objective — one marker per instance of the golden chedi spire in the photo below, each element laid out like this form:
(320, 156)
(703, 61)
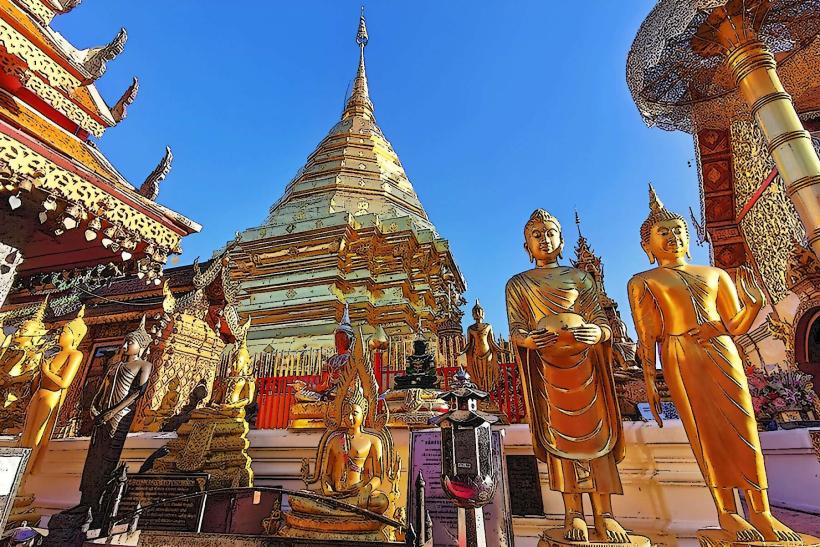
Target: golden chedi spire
(359, 103)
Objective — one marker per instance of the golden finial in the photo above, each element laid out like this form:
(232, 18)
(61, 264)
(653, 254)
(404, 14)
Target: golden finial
(655, 204)
(169, 303)
(657, 213)
(379, 340)
(361, 35)
(359, 103)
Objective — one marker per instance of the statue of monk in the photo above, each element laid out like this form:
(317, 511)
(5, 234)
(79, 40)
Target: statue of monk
(325, 390)
(690, 314)
(56, 375)
(19, 366)
(113, 409)
(352, 470)
(561, 336)
(153, 419)
(482, 351)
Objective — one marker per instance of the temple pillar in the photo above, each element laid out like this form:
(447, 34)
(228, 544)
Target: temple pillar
(754, 68)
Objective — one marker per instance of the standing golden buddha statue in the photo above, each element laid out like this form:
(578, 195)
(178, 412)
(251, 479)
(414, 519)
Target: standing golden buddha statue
(56, 375)
(561, 336)
(20, 360)
(481, 351)
(690, 313)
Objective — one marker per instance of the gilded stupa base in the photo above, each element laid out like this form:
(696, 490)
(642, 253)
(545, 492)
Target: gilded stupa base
(211, 443)
(414, 406)
(554, 537)
(715, 537)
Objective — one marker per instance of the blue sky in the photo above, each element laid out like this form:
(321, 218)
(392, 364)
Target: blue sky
(494, 108)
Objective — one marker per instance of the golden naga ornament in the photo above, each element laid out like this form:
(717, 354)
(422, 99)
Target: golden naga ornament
(562, 340)
(689, 313)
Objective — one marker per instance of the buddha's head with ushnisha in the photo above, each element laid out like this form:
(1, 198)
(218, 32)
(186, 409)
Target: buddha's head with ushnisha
(478, 311)
(242, 357)
(664, 234)
(543, 240)
(31, 331)
(354, 408)
(74, 331)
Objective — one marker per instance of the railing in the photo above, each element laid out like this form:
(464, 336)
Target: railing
(275, 394)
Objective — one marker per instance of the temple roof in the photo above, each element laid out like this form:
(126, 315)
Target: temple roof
(354, 169)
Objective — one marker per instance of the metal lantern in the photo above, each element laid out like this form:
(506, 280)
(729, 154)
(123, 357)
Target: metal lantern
(467, 473)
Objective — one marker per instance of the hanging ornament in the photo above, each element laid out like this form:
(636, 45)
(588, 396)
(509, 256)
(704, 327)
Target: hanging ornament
(15, 201)
(50, 203)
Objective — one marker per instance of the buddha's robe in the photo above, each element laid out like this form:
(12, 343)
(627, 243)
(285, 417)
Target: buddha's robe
(706, 381)
(573, 413)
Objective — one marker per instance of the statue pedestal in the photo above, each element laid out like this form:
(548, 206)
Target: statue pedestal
(414, 406)
(211, 443)
(554, 537)
(349, 528)
(717, 538)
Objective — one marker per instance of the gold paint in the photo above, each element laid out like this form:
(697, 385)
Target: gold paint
(690, 313)
(562, 341)
(152, 420)
(55, 377)
(74, 188)
(23, 48)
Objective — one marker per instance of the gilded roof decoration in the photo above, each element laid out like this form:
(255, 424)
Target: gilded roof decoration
(669, 69)
(95, 59)
(150, 188)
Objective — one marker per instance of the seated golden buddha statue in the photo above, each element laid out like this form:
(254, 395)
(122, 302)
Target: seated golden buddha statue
(215, 438)
(19, 366)
(237, 390)
(152, 420)
(353, 466)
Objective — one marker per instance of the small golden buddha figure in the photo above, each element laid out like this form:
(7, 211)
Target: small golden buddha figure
(561, 336)
(19, 365)
(239, 387)
(56, 375)
(152, 420)
(482, 351)
(214, 439)
(690, 313)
